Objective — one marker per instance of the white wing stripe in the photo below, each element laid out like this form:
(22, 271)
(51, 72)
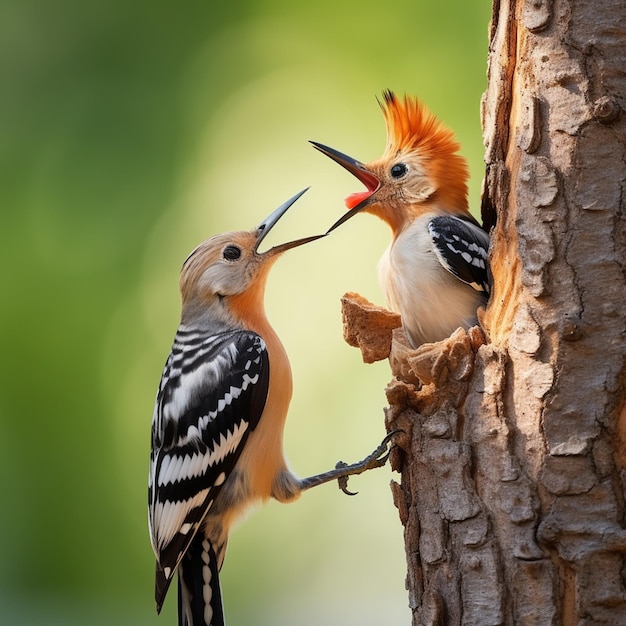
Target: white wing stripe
(176, 468)
(188, 448)
(193, 433)
(170, 516)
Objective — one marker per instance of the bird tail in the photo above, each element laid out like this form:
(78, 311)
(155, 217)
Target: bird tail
(199, 592)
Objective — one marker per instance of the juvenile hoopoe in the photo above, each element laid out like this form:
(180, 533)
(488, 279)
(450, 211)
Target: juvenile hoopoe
(217, 428)
(434, 272)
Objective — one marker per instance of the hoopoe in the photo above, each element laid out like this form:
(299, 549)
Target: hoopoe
(435, 271)
(217, 428)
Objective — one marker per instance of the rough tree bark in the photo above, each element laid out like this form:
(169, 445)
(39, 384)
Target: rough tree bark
(512, 493)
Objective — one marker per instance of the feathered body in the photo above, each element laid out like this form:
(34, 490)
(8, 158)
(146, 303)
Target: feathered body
(217, 428)
(437, 303)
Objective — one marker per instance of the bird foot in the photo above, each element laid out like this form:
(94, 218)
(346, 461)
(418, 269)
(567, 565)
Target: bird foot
(343, 471)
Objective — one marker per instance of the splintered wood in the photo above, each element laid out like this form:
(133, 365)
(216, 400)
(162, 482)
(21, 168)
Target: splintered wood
(378, 333)
(368, 327)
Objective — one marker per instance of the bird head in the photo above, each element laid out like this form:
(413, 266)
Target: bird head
(419, 169)
(227, 273)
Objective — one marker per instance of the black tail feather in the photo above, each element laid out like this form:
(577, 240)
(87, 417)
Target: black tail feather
(199, 593)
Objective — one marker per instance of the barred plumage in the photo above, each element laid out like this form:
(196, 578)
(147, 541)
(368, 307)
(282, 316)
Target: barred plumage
(211, 396)
(201, 558)
(462, 247)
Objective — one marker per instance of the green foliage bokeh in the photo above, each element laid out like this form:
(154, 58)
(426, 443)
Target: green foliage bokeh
(130, 132)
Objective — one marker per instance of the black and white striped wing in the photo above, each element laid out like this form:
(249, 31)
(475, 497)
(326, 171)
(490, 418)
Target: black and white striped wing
(462, 246)
(212, 394)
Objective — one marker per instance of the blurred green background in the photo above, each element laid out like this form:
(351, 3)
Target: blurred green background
(130, 132)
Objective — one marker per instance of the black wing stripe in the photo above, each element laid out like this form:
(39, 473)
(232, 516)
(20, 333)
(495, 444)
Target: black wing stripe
(183, 474)
(212, 396)
(462, 247)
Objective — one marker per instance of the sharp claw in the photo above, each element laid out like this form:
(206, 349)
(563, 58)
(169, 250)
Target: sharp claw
(343, 480)
(383, 459)
(382, 448)
(343, 485)
(391, 435)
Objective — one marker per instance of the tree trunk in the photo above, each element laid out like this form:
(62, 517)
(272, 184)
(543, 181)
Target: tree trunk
(512, 494)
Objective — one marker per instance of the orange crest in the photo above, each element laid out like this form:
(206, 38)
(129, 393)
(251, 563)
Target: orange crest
(412, 127)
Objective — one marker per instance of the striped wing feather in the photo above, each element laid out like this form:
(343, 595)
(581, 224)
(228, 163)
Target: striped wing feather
(211, 396)
(462, 247)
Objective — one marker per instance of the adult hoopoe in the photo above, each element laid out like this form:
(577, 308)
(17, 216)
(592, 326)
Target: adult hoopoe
(434, 272)
(217, 428)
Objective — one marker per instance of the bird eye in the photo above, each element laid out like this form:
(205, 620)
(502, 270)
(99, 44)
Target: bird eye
(399, 170)
(231, 253)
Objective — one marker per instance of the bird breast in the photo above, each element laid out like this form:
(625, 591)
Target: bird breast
(432, 302)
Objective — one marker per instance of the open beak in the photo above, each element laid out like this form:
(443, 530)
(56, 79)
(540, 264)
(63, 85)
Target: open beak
(356, 201)
(271, 220)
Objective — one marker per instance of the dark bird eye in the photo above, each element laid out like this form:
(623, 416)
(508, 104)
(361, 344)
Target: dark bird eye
(398, 170)
(231, 253)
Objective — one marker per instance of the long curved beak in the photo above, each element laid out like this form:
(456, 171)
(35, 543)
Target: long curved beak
(271, 220)
(356, 201)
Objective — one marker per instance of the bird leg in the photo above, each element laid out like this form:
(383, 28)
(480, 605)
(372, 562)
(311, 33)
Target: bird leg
(343, 471)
